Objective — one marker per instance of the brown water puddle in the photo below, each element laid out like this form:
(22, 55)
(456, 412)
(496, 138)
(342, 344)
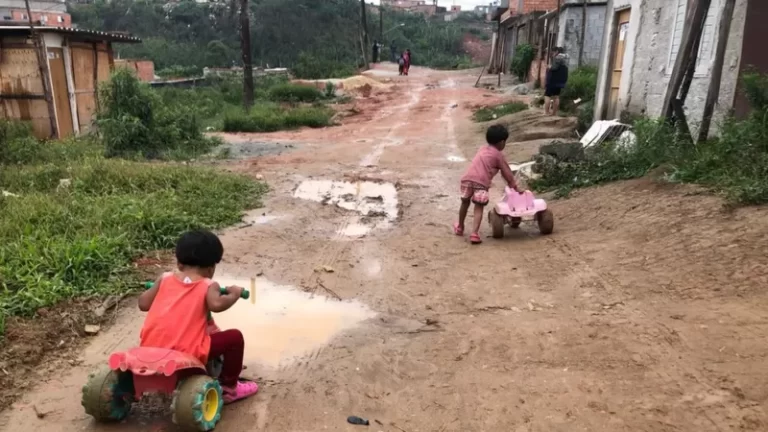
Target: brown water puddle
(282, 324)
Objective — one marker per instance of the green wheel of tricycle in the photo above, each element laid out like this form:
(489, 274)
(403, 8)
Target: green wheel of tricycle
(108, 395)
(197, 403)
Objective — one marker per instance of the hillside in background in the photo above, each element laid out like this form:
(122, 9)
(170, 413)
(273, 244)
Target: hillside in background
(316, 39)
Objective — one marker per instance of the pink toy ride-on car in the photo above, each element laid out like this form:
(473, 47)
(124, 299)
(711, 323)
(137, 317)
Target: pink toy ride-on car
(515, 208)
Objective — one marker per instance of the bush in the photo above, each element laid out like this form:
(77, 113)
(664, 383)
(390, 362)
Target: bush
(490, 113)
(521, 62)
(330, 90)
(582, 84)
(272, 118)
(18, 146)
(294, 93)
(58, 242)
(134, 120)
(308, 66)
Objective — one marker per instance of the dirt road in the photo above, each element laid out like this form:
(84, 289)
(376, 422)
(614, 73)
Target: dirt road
(644, 311)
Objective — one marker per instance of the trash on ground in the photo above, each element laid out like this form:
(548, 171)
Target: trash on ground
(603, 130)
(357, 421)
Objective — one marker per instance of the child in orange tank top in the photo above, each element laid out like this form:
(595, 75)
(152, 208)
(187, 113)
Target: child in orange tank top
(179, 305)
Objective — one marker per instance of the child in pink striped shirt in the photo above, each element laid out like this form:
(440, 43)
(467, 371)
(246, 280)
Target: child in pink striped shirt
(475, 183)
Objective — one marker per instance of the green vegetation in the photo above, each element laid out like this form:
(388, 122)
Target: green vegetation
(522, 60)
(294, 93)
(266, 117)
(493, 112)
(582, 84)
(183, 37)
(735, 164)
(134, 121)
(75, 217)
(73, 220)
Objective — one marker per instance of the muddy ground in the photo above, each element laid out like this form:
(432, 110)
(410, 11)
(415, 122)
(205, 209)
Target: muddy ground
(644, 311)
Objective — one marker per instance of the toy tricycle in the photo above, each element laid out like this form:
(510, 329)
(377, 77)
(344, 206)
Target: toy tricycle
(197, 395)
(515, 208)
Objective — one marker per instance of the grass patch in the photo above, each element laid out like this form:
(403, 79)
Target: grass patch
(294, 93)
(491, 113)
(268, 117)
(76, 220)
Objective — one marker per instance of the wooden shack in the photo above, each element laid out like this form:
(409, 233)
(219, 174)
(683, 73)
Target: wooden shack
(77, 61)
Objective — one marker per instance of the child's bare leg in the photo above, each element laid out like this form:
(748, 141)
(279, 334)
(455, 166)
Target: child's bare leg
(555, 105)
(463, 212)
(547, 102)
(478, 219)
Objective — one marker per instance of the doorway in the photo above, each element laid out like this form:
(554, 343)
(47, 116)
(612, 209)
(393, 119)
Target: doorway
(617, 62)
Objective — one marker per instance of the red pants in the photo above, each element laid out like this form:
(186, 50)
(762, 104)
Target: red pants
(230, 344)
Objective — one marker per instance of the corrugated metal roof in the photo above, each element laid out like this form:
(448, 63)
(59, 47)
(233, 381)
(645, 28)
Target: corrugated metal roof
(93, 34)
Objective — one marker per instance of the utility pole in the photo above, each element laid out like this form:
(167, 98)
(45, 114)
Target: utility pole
(583, 31)
(381, 24)
(245, 46)
(45, 73)
(364, 25)
(717, 69)
(695, 17)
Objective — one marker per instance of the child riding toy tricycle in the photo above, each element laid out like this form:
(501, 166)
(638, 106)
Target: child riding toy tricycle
(197, 395)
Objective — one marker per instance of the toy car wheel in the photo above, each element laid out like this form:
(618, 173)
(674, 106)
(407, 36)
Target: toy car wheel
(197, 403)
(546, 221)
(108, 395)
(497, 224)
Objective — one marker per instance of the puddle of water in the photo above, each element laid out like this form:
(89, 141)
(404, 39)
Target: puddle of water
(456, 159)
(372, 267)
(355, 230)
(367, 198)
(283, 324)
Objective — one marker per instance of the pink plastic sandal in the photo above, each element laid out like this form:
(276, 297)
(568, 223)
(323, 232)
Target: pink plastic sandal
(459, 231)
(475, 238)
(242, 390)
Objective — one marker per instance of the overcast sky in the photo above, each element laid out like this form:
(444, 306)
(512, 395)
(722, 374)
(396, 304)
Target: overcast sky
(465, 4)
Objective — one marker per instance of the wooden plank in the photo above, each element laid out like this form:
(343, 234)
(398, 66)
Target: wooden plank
(60, 94)
(95, 53)
(82, 71)
(71, 87)
(22, 88)
(104, 68)
(697, 13)
(717, 69)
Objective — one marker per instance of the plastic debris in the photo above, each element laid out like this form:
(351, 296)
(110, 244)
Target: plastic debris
(357, 421)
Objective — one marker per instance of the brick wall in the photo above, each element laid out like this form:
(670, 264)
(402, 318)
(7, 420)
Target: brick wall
(52, 19)
(538, 6)
(145, 69)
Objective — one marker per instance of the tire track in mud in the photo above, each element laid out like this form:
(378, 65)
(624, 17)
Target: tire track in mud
(337, 245)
